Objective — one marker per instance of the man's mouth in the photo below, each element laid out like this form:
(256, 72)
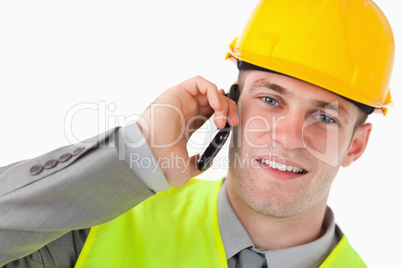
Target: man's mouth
(282, 167)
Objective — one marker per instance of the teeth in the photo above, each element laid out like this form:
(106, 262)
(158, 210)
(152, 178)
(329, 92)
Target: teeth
(273, 164)
(281, 167)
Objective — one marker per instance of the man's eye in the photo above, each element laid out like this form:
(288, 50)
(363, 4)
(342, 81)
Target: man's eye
(325, 118)
(271, 101)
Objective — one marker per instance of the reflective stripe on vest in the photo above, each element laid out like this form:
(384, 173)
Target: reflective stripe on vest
(175, 228)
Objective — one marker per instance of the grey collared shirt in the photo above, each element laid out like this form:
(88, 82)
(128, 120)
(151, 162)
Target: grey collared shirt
(235, 238)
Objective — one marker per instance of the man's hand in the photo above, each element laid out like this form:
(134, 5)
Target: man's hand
(169, 121)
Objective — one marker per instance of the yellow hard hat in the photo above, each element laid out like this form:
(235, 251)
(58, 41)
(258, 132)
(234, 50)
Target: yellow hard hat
(346, 47)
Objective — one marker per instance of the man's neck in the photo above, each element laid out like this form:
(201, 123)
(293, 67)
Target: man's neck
(270, 233)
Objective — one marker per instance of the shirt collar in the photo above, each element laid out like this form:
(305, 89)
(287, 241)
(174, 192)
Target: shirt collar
(234, 235)
(235, 238)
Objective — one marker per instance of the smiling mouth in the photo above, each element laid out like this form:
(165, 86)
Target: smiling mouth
(281, 167)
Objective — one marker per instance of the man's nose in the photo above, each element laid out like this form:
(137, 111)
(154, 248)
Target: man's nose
(287, 131)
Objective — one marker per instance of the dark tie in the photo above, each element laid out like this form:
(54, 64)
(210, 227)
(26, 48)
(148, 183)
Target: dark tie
(251, 259)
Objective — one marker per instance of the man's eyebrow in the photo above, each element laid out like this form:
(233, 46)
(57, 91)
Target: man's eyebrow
(335, 106)
(275, 87)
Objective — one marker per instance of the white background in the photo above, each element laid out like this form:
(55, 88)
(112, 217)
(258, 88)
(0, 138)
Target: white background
(116, 57)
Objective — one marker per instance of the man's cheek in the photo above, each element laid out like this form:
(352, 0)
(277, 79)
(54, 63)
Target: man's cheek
(323, 144)
(255, 130)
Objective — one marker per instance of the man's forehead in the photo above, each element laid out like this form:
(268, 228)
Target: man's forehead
(284, 85)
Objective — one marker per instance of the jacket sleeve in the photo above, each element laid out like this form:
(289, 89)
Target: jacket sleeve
(70, 188)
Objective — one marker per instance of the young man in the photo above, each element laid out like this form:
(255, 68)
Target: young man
(306, 86)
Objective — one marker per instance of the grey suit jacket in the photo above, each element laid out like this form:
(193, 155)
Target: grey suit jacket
(71, 188)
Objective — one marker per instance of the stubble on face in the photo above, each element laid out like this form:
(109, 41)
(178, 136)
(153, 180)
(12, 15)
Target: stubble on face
(272, 199)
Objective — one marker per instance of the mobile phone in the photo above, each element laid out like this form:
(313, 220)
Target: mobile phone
(220, 138)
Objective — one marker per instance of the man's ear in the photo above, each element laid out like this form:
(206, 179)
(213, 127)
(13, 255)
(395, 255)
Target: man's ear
(358, 144)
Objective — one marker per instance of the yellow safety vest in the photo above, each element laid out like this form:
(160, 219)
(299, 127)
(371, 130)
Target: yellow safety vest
(176, 228)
